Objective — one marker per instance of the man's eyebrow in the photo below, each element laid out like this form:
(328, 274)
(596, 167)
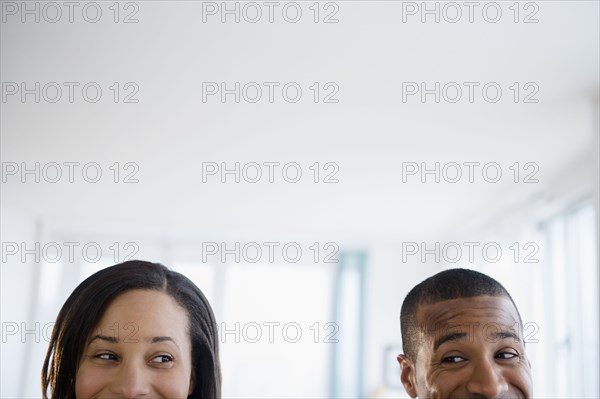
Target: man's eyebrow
(448, 337)
(506, 335)
(107, 338)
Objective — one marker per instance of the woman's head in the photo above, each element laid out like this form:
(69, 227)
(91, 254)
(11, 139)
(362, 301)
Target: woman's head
(131, 329)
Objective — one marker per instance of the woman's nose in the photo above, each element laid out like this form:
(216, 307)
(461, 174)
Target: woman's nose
(131, 381)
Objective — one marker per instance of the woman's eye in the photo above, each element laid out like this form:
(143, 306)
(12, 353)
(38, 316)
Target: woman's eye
(162, 359)
(106, 356)
(453, 359)
(506, 355)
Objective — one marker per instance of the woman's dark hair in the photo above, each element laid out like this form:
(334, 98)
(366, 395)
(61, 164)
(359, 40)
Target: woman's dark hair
(84, 308)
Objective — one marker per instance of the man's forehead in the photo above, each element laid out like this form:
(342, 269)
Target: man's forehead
(462, 313)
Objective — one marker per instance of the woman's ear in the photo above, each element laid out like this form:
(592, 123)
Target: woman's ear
(407, 375)
(192, 382)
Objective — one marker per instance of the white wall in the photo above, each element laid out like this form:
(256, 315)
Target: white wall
(388, 282)
(18, 295)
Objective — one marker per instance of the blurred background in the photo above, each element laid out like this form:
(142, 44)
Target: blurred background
(305, 164)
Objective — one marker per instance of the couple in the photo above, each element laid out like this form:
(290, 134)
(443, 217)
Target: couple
(138, 329)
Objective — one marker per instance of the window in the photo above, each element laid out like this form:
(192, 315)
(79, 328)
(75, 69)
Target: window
(347, 355)
(571, 314)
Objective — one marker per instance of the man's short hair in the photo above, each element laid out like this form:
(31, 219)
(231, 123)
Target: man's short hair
(446, 285)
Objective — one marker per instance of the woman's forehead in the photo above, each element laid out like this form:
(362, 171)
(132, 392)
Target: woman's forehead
(147, 311)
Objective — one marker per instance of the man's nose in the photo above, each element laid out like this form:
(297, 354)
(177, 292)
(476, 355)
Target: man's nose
(131, 381)
(487, 380)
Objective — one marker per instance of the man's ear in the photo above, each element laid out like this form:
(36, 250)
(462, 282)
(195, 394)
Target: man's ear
(408, 375)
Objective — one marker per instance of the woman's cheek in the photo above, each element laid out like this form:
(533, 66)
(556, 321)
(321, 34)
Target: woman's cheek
(175, 385)
(91, 381)
(88, 382)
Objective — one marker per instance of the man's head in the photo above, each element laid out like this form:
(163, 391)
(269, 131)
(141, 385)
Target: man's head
(462, 337)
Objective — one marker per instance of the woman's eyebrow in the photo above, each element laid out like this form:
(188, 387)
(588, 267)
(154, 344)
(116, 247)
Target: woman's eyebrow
(162, 338)
(115, 340)
(107, 338)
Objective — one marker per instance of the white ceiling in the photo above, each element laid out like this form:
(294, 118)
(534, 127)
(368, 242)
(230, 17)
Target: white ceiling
(369, 133)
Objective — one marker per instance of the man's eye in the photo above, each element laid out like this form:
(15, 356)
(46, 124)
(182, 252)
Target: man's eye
(506, 355)
(162, 359)
(106, 356)
(453, 359)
